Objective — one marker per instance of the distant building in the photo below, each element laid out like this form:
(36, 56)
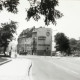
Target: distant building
(24, 43)
(42, 41)
(39, 43)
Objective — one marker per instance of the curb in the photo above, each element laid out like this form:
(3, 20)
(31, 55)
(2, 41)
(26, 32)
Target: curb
(1, 63)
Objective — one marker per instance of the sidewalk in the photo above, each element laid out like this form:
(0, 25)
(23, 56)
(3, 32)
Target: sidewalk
(17, 69)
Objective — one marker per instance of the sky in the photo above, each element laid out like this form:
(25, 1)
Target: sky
(69, 24)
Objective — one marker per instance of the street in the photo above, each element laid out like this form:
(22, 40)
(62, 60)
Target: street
(42, 68)
(55, 68)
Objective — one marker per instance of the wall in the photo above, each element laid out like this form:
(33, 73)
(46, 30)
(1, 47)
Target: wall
(43, 40)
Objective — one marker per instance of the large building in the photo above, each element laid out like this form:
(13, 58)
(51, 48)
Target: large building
(42, 41)
(39, 43)
(24, 43)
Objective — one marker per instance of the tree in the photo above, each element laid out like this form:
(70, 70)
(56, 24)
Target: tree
(10, 5)
(73, 44)
(1, 5)
(46, 8)
(29, 33)
(62, 43)
(78, 45)
(34, 46)
(6, 34)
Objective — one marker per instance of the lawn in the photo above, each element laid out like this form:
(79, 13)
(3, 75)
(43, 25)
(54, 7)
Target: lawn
(2, 59)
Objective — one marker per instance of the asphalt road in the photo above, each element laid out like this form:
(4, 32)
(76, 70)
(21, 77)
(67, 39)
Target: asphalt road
(55, 68)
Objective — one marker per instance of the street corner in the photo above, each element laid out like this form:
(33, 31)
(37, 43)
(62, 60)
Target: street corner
(4, 60)
(17, 69)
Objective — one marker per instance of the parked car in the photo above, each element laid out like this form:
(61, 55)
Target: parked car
(23, 53)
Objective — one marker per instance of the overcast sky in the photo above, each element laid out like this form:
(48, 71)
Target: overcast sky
(68, 24)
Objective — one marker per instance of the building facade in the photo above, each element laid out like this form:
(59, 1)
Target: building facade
(24, 43)
(40, 43)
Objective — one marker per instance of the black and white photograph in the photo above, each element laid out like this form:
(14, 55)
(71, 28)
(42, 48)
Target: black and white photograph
(39, 39)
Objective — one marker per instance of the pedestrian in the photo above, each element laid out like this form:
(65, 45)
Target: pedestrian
(15, 55)
(45, 52)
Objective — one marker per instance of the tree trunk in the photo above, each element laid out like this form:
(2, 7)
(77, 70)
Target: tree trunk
(4, 51)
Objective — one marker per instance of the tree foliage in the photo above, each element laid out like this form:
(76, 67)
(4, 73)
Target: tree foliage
(46, 8)
(1, 5)
(74, 44)
(28, 32)
(78, 45)
(62, 43)
(6, 34)
(75, 47)
(10, 5)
